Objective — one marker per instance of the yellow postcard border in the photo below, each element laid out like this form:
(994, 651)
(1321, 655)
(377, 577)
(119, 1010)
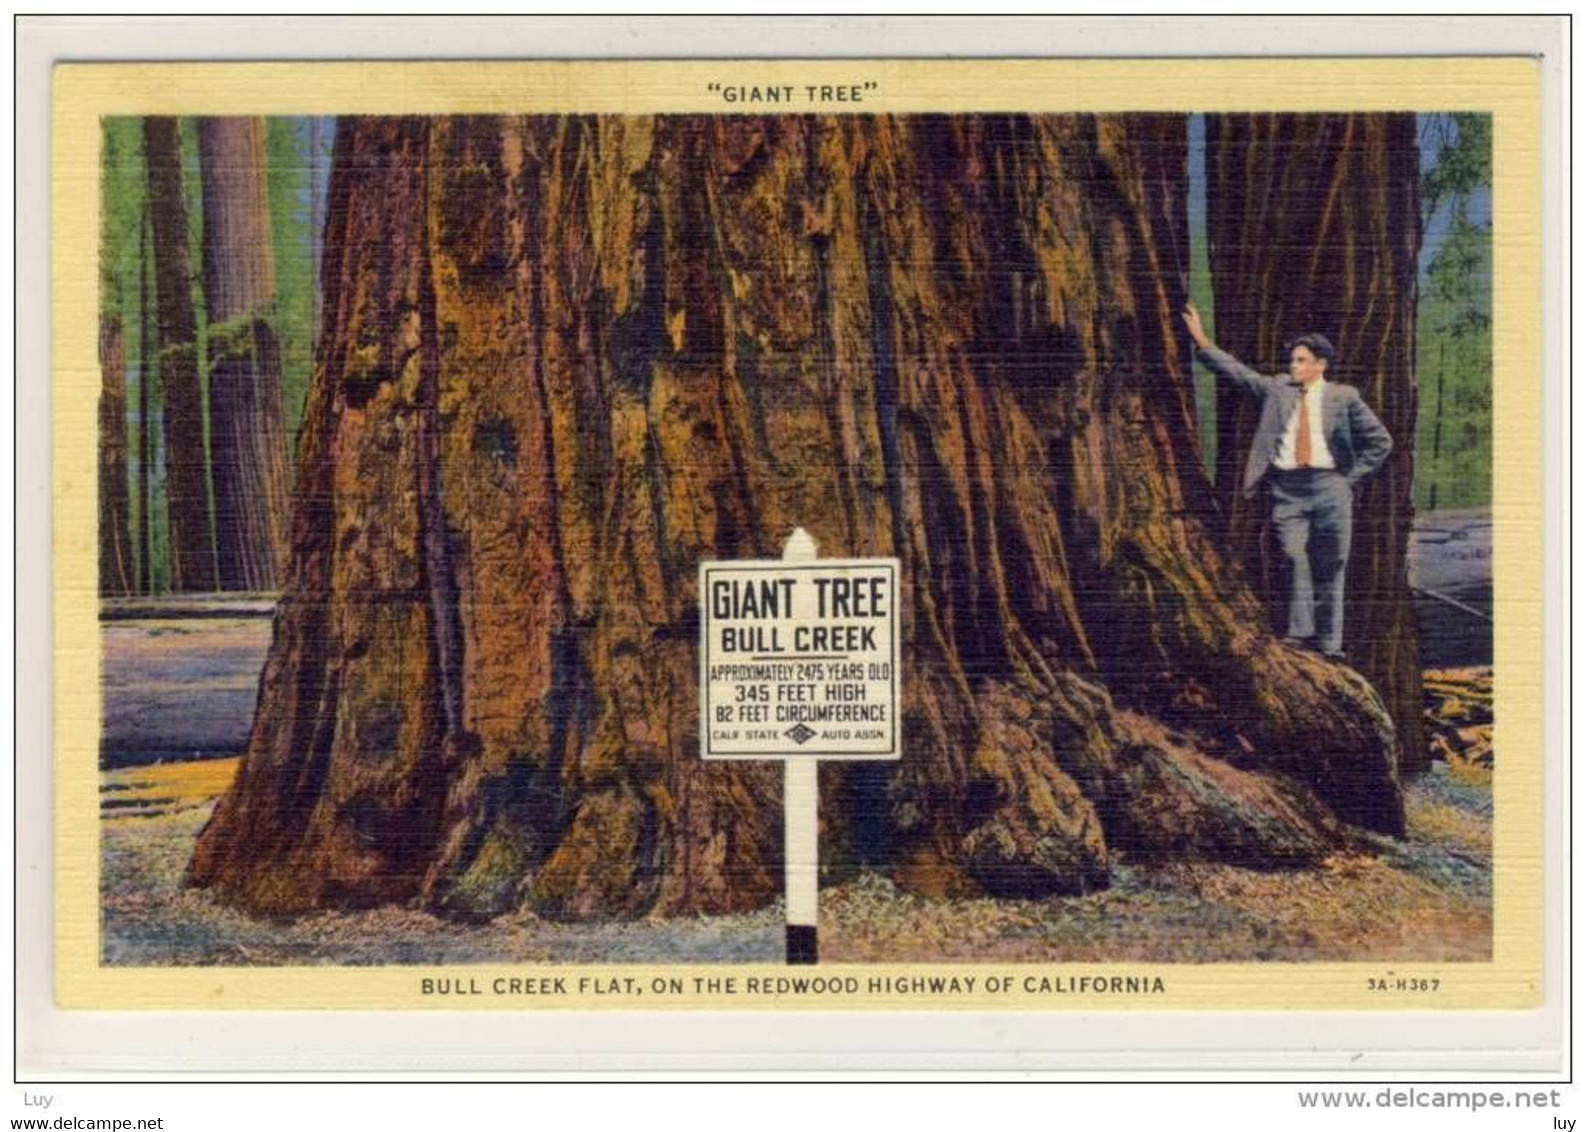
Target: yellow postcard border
(1510, 88)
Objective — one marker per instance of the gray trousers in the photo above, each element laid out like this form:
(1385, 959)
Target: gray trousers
(1312, 512)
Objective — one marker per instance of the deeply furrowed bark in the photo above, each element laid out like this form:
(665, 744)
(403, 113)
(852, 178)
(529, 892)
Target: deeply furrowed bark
(565, 359)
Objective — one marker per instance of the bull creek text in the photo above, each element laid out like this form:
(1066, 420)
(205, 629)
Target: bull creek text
(762, 986)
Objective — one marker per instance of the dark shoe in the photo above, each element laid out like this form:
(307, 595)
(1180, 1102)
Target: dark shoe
(1339, 655)
(1300, 642)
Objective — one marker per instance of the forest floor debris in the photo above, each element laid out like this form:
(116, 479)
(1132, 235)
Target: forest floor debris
(1426, 898)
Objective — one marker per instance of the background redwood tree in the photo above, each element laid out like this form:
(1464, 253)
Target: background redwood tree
(1315, 225)
(564, 359)
(192, 562)
(118, 557)
(147, 364)
(117, 567)
(251, 484)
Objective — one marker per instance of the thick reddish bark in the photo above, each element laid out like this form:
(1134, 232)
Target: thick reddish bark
(565, 359)
(186, 468)
(116, 567)
(247, 429)
(1314, 224)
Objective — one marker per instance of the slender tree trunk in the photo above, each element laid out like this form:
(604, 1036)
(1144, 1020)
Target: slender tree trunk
(316, 213)
(116, 567)
(1435, 468)
(186, 471)
(247, 429)
(1314, 225)
(145, 409)
(565, 359)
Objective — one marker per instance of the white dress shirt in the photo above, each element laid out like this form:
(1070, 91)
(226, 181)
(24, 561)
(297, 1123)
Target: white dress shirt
(1321, 457)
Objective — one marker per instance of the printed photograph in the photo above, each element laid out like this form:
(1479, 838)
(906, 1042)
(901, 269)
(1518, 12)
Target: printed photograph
(415, 432)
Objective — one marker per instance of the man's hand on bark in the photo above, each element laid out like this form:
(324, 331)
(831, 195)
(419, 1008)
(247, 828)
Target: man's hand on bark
(1192, 319)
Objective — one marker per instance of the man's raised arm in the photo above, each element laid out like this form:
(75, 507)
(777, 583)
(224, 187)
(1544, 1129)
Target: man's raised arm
(1224, 364)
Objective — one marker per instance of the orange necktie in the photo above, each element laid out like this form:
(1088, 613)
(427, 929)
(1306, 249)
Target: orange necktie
(1302, 444)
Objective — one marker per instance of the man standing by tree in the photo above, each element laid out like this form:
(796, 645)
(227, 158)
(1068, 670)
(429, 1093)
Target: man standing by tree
(1315, 441)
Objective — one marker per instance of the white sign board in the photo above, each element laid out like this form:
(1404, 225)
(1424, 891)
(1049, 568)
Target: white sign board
(799, 659)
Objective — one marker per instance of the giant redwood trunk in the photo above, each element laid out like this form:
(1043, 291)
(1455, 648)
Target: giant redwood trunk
(565, 359)
(1320, 231)
(246, 422)
(186, 467)
(116, 567)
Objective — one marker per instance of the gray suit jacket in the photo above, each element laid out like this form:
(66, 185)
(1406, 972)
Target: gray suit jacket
(1355, 436)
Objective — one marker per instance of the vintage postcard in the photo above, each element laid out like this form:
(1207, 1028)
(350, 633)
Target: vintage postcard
(840, 535)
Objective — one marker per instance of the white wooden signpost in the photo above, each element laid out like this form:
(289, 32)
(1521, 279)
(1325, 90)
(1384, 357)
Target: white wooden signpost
(799, 661)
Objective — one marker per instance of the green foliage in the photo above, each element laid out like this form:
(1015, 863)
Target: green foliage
(122, 194)
(1454, 362)
(1200, 292)
(1464, 159)
(290, 174)
(1454, 321)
